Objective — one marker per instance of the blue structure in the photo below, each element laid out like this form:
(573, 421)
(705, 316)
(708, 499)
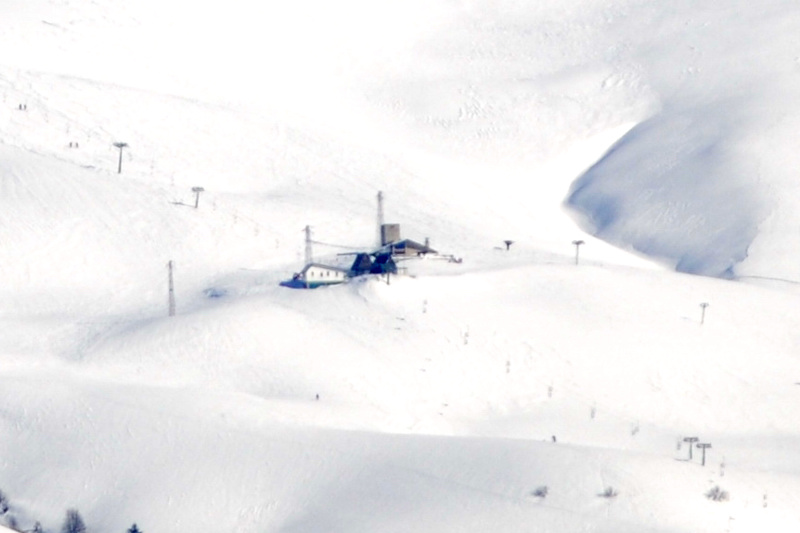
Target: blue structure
(378, 263)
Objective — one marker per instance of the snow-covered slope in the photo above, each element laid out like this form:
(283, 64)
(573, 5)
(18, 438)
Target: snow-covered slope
(437, 401)
(708, 175)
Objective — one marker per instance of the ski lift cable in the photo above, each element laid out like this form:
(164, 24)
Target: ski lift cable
(337, 245)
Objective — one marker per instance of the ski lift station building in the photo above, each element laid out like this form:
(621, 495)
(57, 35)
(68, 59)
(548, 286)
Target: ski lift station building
(316, 275)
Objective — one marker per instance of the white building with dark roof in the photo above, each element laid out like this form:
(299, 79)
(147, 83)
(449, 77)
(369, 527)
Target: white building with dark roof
(316, 275)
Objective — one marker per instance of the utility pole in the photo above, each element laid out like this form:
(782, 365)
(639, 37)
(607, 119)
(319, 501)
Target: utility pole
(703, 312)
(171, 298)
(120, 146)
(309, 256)
(197, 191)
(703, 446)
(691, 441)
(380, 218)
(577, 249)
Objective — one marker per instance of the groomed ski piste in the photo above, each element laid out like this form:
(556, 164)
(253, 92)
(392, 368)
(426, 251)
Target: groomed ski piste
(544, 387)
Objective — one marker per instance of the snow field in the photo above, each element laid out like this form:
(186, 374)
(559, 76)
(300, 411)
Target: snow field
(440, 393)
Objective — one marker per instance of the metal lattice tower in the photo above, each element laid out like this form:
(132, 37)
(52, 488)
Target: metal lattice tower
(309, 255)
(171, 298)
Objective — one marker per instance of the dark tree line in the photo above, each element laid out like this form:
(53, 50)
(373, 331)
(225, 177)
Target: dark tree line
(73, 521)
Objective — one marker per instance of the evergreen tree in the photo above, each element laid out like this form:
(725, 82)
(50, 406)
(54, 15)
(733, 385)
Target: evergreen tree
(73, 523)
(134, 529)
(3, 503)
